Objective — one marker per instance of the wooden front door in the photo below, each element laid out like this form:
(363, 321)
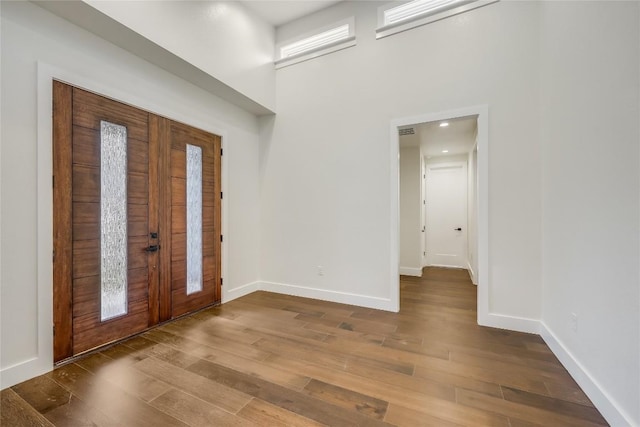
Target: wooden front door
(136, 220)
(189, 144)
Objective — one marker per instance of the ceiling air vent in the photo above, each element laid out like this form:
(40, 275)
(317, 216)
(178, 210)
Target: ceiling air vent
(407, 131)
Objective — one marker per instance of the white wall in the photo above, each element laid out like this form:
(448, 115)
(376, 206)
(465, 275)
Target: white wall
(410, 209)
(590, 141)
(30, 34)
(447, 159)
(222, 38)
(325, 188)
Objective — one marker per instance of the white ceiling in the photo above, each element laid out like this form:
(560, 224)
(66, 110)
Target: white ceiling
(278, 12)
(457, 138)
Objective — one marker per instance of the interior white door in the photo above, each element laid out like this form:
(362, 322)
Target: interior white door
(446, 211)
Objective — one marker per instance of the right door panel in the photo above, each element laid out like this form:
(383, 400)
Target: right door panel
(194, 192)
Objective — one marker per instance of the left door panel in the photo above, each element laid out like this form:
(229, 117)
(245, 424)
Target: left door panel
(105, 186)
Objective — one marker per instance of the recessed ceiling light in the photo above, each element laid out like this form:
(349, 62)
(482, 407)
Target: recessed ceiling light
(445, 151)
(444, 124)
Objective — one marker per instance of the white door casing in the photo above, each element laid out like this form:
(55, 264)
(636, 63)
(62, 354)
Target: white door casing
(446, 212)
(423, 210)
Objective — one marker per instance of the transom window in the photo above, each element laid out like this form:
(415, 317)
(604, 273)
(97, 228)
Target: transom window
(322, 41)
(394, 18)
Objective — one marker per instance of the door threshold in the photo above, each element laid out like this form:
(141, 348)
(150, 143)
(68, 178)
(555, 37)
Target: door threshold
(444, 266)
(114, 343)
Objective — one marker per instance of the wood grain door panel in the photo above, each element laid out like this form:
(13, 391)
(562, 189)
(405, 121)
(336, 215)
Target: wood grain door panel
(180, 135)
(89, 330)
(77, 221)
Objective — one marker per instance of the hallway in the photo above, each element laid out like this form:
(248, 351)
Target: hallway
(268, 359)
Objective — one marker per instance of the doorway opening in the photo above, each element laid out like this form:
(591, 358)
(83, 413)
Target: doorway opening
(439, 179)
(437, 195)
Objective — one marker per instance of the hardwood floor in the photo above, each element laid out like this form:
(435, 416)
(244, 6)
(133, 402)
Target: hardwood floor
(274, 360)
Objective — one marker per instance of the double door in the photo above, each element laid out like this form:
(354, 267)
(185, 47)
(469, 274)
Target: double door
(136, 220)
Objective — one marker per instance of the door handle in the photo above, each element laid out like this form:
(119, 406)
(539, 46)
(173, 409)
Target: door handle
(153, 248)
(458, 229)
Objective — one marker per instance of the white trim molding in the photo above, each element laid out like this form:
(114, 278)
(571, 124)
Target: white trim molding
(607, 406)
(240, 291)
(472, 274)
(22, 371)
(411, 271)
(326, 295)
(511, 323)
(446, 266)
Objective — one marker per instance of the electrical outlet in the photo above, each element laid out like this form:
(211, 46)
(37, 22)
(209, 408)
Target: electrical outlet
(574, 322)
(320, 270)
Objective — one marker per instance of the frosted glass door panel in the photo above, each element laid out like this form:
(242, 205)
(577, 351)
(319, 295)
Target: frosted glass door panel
(194, 219)
(113, 220)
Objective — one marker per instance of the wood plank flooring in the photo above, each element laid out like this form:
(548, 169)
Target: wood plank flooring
(274, 360)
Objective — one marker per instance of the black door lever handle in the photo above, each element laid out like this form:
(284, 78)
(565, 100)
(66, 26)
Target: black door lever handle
(153, 248)
(458, 229)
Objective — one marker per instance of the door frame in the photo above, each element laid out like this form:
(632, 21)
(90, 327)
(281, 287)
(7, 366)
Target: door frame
(42, 360)
(423, 210)
(465, 249)
(482, 111)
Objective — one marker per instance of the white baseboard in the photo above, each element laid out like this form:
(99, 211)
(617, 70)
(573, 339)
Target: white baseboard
(512, 323)
(453, 267)
(240, 291)
(410, 271)
(22, 371)
(601, 400)
(333, 296)
(472, 274)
